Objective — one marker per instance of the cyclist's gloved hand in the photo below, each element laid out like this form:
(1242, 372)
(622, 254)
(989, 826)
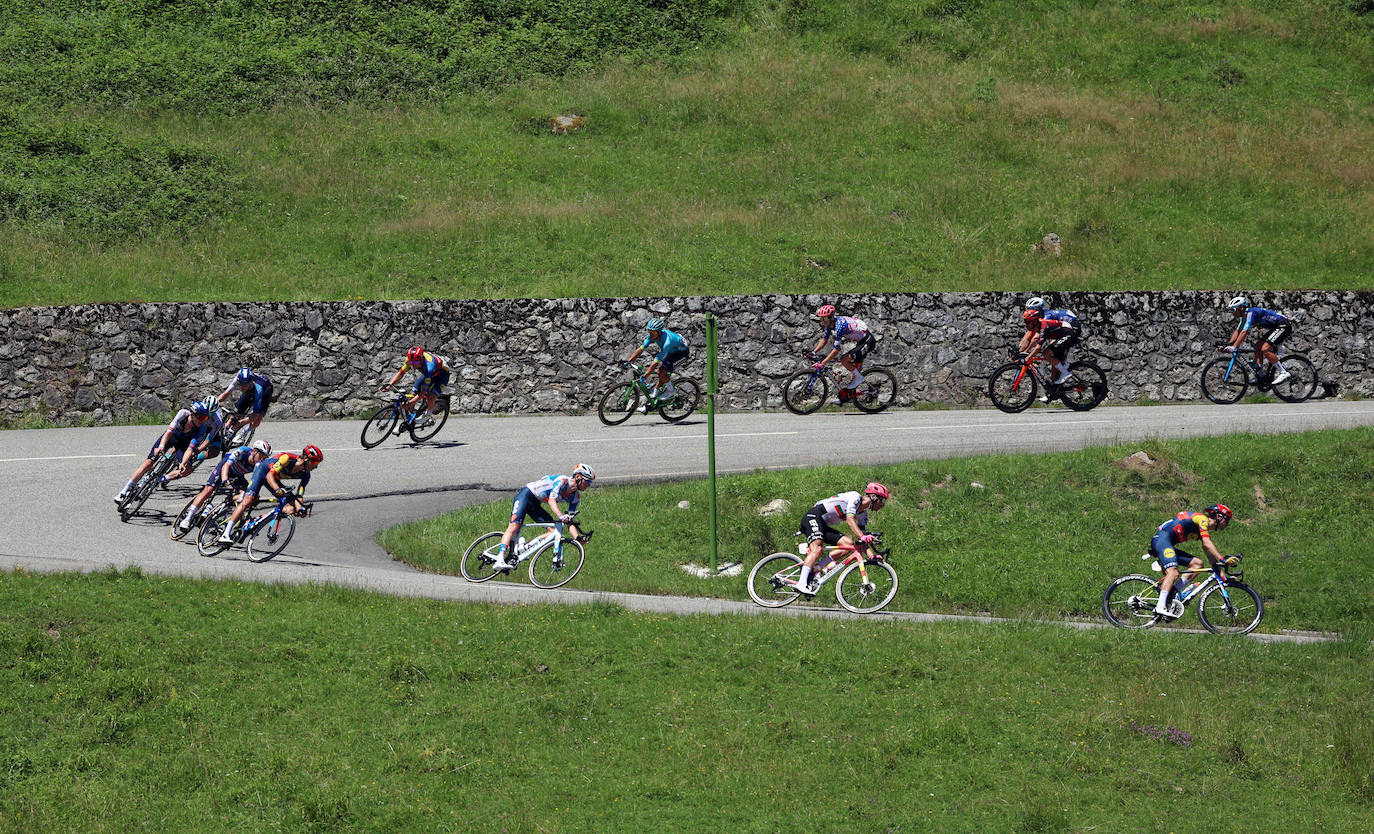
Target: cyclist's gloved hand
(566, 518)
(818, 366)
(1227, 348)
(1232, 560)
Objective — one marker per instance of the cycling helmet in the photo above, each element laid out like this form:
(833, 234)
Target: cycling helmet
(582, 470)
(826, 311)
(1240, 302)
(244, 376)
(210, 404)
(1036, 303)
(1031, 315)
(199, 409)
(415, 354)
(654, 324)
(262, 446)
(312, 454)
(876, 490)
(1219, 511)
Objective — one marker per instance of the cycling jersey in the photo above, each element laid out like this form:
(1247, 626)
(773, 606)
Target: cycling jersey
(181, 425)
(1183, 527)
(257, 392)
(1260, 317)
(282, 465)
(429, 365)
(1057, 318)
(670, 344)
(210, 429)
(239, 467)
(561, 487)
(836, 508)
(847, 328)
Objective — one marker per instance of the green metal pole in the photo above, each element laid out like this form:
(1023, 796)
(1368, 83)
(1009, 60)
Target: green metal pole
(711, 429)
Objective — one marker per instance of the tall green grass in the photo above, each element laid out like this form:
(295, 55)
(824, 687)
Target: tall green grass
(1013, 535)
(816, 146)
(132, 701)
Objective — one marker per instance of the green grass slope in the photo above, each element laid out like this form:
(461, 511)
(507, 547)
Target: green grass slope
(402, 149)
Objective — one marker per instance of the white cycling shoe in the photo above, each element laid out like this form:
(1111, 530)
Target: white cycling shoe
(1283, 375)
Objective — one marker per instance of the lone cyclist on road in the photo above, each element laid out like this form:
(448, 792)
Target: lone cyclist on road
(1186, 526)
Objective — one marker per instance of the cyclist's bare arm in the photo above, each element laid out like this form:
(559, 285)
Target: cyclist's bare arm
(395, 379)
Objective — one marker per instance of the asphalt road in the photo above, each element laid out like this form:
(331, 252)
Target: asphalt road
(57, 485)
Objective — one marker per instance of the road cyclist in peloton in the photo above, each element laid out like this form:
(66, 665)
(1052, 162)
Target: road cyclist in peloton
(838, 330)
(270, 473)
(850, 507)
(205, 443)
(1180, 566)
(232, 472)
(253, 392)
(434, 375)
(672, 351)
(532, 499)
(184, 429)
(1056, 330)
(1276, 328)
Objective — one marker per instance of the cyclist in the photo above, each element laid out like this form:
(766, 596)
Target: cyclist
(434, 375)
(841, 329)
(850, 507)
(1277, 327)
(1056, 330)
(1186, 526)
(672, 351)
(270, 473)
(545, 492)
(179, 434)
(231, 472)
(204, 445)
(254, 393)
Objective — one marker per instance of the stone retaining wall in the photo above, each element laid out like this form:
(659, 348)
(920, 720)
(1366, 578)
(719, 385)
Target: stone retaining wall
(106, 361)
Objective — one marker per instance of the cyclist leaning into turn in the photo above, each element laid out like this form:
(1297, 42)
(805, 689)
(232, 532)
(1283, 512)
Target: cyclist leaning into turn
(841, 329)
(434, 375)
(270, 473)
(1186, 526)
(850, 507)
(254, 395)
(205, 443)
(672, 351)
(232, 471)
(545, 492)
(184, 430)
(1276, 326)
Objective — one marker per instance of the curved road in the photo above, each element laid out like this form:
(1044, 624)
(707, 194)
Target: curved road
(57, 485)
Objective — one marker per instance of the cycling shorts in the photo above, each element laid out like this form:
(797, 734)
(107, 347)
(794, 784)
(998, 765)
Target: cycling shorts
(1162, 548)
(179, 442)
(1275, 336)
(814, 526)
(260, 476)
(862, 348)
(245, 401)
(528, 504)
(431, 384)
(235, 482)
(673, 359)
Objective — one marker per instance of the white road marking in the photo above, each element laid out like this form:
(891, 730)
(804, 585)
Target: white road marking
(1007, 425)
(65, 457)
(681, 436)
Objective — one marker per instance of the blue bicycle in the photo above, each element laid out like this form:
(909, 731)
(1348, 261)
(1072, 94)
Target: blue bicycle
(1226, 605)
(264, 536)
(1226, 378)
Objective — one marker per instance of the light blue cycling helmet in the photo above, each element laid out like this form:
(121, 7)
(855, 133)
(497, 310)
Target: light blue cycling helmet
(654, 324)
(244, 376)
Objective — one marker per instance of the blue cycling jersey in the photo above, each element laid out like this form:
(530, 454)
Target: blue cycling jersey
(1260, 317)
(238, 461)
(670, 344)
(847, 328)
(258, 385)
(561, 487)
(430, 366)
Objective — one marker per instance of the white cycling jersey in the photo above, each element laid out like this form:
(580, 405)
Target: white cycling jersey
(836, 507)
(561, 487)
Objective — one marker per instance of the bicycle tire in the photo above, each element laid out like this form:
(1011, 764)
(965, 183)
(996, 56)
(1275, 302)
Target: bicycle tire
(545, 573)
(1009, 394)
(1240, 615)
(143, 490)
(1220, 388)
(440, 416)
(177, 533)
(1086, 389)
(801, 395)
(207, 540)
(478, 558)
(1129, 602)
(1302, 380)
(380, 425)
(269, 538)
(877, 391)
(867, 597)
(618, 403)
(681, 405)
(765, 586)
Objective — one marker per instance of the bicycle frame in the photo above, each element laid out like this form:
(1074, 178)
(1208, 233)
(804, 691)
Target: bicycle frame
(532, 546)
(841, 555)
(1214, 576)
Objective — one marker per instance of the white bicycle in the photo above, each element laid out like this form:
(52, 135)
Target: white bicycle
(554, 559)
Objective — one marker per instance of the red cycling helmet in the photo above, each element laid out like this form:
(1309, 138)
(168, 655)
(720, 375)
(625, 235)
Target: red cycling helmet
(1219, 511)
(415, 354)
(876, 490)
(1032, 315)
(826, 311)
(312, 453)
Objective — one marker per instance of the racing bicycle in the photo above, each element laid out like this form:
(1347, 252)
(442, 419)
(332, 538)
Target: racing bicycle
(862, 585)
(1012, 387)
(134, 499)
(263, 536)
(554, 559)
(807, 390)
(205, 510)
(394, 415)
(1226, 605)
(1225, 379)
(619, 401)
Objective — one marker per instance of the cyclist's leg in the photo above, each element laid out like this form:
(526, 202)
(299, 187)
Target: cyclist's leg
(1168, 560)
(667, 366)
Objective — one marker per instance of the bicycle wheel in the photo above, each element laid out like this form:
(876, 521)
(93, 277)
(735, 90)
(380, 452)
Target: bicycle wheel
(865, 597)
(480, 555)
(143, 490)
(683, 402)
(207, 540)
(805, 392)
(177, 532)
(877, 391)
(1224, 383)
(618, 403)
(552, 570)
(440, 416)
(770, 582)
(380, 425)
(1237, 611)
(1130, 601)
(270, 539)
(1011, 389)
(1301, 382)
(1086, 388)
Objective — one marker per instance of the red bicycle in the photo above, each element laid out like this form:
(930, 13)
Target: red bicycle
(862, 585)
(1013, 386)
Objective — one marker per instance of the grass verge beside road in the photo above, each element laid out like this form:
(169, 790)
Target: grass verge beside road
(235, 707)
(1013, 535)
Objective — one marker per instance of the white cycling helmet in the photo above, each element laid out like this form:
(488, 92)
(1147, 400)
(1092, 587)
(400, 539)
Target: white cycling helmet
(582, 470)
(262, 446)
(210, 403)
(1036, 303)
(1240, 302)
